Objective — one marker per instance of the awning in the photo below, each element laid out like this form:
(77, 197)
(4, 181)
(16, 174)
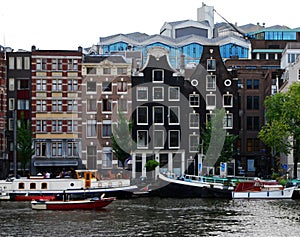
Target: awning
(55, 163)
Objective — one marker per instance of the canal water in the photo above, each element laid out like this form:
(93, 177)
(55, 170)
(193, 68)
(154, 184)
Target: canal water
(157, 217)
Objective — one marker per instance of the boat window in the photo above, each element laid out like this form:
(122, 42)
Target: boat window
(32, 185)
(21, 185)
(44, 186)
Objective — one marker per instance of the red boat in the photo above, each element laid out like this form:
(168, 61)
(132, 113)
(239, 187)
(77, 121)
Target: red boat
(34, 198)
(86, 204)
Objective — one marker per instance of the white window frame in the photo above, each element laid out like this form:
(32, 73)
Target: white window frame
(144, 89)
(211, 85)
(228, 117)
(169, 136)
(145, 146)
(156, 134)
(192, 147)
(137, 115)
(91, 128)
(231, 101)
(153, 75)
(158, 107)
(192, 123)
(11, 84)
(214, 64)
(11, 104)
(198, 100)
(178, 93)
(169, 114)
(211, 98)
(161, 93)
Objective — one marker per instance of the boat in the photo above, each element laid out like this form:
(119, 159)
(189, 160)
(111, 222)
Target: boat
(4, 196)
(86, 204)
(190, 186)
(260, 189)
(84, 184)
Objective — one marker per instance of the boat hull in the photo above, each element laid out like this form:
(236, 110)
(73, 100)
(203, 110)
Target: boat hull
(87, 204)
(34, 197)
(276, 194)
(182, 189)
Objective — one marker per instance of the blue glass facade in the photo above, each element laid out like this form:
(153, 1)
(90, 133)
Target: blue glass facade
(275, 35)
(229, 50)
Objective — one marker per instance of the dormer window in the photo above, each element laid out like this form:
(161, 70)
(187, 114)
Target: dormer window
(211, 65)
(158, 76)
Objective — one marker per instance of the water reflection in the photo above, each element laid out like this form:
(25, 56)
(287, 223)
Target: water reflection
(157, 217)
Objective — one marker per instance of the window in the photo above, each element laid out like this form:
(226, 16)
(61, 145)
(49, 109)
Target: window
(91, 86)
(91, 105)
(41, 126)
(253, 102)
(44, 64)
(123, 105)
(194, 120)
(106, 128)
(255, 84)
(40, 149)
(91, 128)
(252, 84)
(72, 126)
(56, 149)
(158, 115)
(142, 115)
(158, 75)
(252, 145)
(11, 62)
(11, 85)
(174, 138)
(228, 121)
(56, 105)
(23, 84)
(72, 149)
(211, 64)
(253, 123)
(19, 63)
(41, 84)
(91, 157)
(122, 86)
(194, 100)
(38, 64)
(91, 70)
(72, 85)
(106, 87)
(57, 126)
(54, 65)
(106, 105)
(23, 104)
(56, 85)
(174, 115)
(72, 64)
(121, 70)
(107, 157)
(142, 93)
(210, 102)
(227, 100)
(142, 139)
(11, 103)
(159, 139)
(211, 82)
(158, 93)
(72, 105)
(194, 143)
(106, 70)
(174, 94)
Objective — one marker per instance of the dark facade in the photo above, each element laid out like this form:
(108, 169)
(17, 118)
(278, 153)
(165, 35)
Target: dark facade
(18, 100)
(4, 164)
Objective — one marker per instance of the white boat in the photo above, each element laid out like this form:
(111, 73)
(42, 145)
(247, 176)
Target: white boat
(262, 190)
(4, 196)
(86, 185)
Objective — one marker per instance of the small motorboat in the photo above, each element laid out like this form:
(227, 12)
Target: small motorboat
(259, 189)
(86, 204)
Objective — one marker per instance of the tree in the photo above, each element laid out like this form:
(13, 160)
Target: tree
(121, 139)
(218, 145)
(282, 130)
(24, 142)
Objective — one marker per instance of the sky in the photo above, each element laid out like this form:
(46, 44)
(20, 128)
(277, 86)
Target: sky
(67, 24)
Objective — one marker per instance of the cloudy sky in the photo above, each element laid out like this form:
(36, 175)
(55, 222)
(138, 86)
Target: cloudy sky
(67, 24)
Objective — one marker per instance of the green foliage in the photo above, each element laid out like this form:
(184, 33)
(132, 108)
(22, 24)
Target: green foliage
(24, 142)
(282, 130)
(151, 165)
(121, 139)
(218, 146)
